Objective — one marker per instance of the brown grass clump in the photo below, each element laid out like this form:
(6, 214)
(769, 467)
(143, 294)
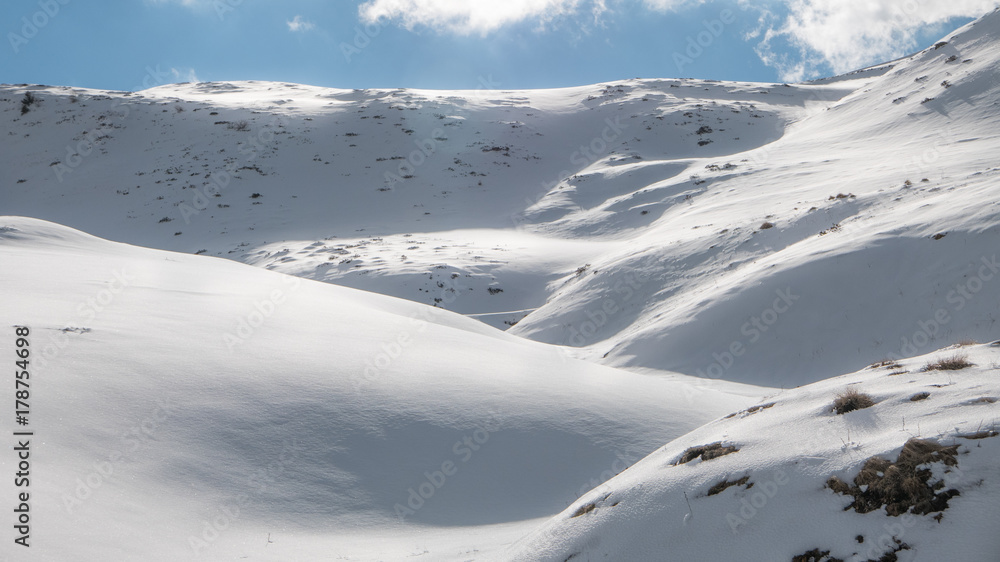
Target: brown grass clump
(815, 555)
(751, 410)
(706, 452)
(920, 396)
(718, 488)
(900, 486)
(852, 399)
(584, 509)
(887, 363)
(956, 362)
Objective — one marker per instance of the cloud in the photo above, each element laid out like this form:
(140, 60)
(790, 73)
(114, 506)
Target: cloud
(800, 38)
(843, 35)
(466, 17)
(299, 25)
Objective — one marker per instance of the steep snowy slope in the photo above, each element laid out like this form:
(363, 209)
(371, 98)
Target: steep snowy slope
(766, 492)
(373, 189)
(190, 405)
(877, 214)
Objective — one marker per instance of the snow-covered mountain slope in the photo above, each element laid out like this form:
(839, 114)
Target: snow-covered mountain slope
(170, 390)
(766, 493)
(682, 206)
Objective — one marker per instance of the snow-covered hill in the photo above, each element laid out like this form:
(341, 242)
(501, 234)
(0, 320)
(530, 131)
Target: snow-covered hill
(929, 443)
(167, 389)
(529, 207)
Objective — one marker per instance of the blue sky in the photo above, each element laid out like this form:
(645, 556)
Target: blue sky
(451, 44)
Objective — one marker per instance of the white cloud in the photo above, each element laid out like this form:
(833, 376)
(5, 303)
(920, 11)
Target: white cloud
(471, 16)
(298, 24)
(845, 35)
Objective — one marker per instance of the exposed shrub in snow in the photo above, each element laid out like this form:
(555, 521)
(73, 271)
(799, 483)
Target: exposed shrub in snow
(852, 399)
(27, 101)
(706, 452)
(815, 555)
(956, 362)
(719, 487)
(901, 485)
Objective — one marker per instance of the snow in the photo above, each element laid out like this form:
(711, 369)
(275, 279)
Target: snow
(263, 313)
(789, 450)
(344, 399)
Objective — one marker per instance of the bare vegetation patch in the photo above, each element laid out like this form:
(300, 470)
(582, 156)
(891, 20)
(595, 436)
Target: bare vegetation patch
(584, 509)
(900, 486)
(920, 396)
(886, 363)
(719, 487)
(815, 555)
(956, 362)
(751, 410)
(591, 506)
(706, 452)
(852, 399)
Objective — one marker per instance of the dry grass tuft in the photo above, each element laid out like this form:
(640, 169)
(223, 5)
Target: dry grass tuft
(751, 410)
(887, 363)
(815, 555)
(956, 362)
(920, 396)
(584, 509)
(706, 452)
(719, 487)
(852, 399)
